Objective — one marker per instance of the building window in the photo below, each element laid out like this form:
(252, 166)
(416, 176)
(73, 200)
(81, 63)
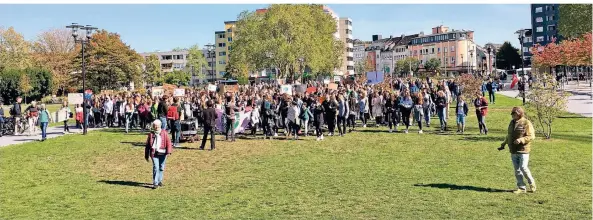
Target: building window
(221, 44)
(445, 49)
(538, 9)
(432, 51)
(539, 19)
(230, 39)
(221, 36)
(221, 53)
(452, 59)
(552, 8)
(539, 39)
(222, 62)
(229, 30)
(525, 49)
(438, 50)
(539, 29)
(528, 40)
(230, 48)
(452, 48)
(551, 27)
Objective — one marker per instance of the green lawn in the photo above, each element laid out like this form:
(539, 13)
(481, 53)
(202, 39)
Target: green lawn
(365, 175)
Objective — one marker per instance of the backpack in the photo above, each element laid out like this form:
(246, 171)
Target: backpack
(12, 111)
(172, 113)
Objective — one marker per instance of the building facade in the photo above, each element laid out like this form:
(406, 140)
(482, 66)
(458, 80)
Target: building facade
(544, 23)
(455, 49)
(345, 33)
(177, 61)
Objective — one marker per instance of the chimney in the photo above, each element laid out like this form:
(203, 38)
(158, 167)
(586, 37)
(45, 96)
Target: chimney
(376, 37)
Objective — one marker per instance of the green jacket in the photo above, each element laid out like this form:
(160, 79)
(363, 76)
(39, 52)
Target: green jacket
(153, 110)
(523, 131)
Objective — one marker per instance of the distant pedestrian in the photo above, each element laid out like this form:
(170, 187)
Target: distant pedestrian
(68, 112)
(158, 146)
(44, 119)
(209, 115)
(481, 105)
(519, 137)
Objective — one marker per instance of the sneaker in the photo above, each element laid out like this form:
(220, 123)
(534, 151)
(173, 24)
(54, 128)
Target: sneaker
(155, 186)
(420, 132)
(406, 131)
(318, 138)
(519, 191)
(532, 188)
(322, 137)
(390, 131)
(364, 126)
(275, 134)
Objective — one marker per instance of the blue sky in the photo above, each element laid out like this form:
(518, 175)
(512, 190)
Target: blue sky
(163, 27)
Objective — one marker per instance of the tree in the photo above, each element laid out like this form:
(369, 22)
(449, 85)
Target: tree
(287, 37)
(196, 59)
(15, 51)
(403, 66)
(179, 49)
(548, 56)
(545, 104)
(25, 86)
(574, 20)
(432, 65)
(54, 50)
(152, 70)
(507, 56)
(110, 62)
(177, 78)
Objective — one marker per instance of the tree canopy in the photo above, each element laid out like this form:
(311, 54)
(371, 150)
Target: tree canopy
(287, 37)
(507, 57)
(54, 49)
(574, 20)
(110, 62)
(15, 51)
(432, 65)
(403, 66)
(152, 70)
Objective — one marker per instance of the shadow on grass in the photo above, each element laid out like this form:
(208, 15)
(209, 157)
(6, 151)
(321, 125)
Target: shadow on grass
(482, 138)
(461, 187)
(135, 144)
(125, 183)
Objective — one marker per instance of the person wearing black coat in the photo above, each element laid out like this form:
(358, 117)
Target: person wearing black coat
(162, 111)
(318, 114)
(461, 109)
(209, 115)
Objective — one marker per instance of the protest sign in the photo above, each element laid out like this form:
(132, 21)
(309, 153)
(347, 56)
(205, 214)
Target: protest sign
(75, 98)
(326, 81)
(157, 92)
(337, 78)
(301, 88)
(211, 88)
(311, 90)
(332, 86)
(286, 89)
(179, 92)
(375, 77)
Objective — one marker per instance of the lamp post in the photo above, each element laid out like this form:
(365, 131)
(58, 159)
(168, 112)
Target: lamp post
(210, 48)
(489, 49)
(89, 31)
(470, 61)
(521, 37)
(461, 63)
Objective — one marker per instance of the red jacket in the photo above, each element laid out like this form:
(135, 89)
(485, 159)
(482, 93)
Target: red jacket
(482, 103)
(165, 144)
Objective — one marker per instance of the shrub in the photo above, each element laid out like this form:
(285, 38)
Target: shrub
(545, 104)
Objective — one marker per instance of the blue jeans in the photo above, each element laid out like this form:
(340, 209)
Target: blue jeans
(158, 168)
(176, 132)
(441, 114)
(163, 123)
(520, 162)
(43, 126)
(427, 115)
(128, 118)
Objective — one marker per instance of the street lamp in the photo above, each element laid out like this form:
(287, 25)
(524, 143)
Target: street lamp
(461, 63)
(489, 49)
(89, 31)
(521, 37)
(471, 61)
(210, 48)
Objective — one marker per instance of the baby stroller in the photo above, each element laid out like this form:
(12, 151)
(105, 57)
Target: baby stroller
(189, 126)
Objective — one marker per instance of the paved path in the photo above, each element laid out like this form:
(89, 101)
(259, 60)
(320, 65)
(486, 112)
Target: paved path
(52, 132)
(580, 102)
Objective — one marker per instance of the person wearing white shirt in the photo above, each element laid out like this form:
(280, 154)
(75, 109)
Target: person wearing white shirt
(293, 118)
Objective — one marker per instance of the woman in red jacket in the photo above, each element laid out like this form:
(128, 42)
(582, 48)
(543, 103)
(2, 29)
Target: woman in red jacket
(481, 105)
(158, 146)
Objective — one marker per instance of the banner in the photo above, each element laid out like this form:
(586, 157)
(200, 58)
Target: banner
(61, 115)
(242, 120)
(286, 89)
(179, 92)
(375, 77)
(157, 92)
(75, 98)
(311, 90)
(326, 81)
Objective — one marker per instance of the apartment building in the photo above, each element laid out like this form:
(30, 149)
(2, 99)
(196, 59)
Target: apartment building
(455, 49)
(345, 33)
(544, 23)
(177, 60)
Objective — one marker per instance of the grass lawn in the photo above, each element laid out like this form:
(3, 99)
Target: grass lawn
(369, 174)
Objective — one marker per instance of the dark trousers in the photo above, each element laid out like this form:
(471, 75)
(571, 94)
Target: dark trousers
(481, 122)
(229, 129)
(65, 126)
(351, 121)
(318, 129)
(1, 126)
(394, 119)
(406, 117)
(254, 128)
(364, 117)
(208, 129)
(109, 119)
(331, 123)
(143, 121)
(492, 97)
(342, 124)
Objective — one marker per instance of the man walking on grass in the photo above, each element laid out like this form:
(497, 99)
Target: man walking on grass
(519, 137)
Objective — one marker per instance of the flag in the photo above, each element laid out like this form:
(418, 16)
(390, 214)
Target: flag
(515, 80)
